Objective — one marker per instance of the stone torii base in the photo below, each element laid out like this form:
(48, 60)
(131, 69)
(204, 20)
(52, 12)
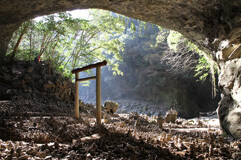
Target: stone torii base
(98, 87)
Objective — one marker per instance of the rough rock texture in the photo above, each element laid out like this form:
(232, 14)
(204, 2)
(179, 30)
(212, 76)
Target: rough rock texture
(230, 105)
(202, 22)
(171, 116)
(111, 106)
(26, 86)
(213, 25)
(160, 121)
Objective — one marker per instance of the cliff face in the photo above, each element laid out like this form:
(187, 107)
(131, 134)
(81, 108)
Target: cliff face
(213, 25)
(156, 78)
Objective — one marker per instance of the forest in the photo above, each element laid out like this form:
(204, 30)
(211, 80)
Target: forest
(159, 92)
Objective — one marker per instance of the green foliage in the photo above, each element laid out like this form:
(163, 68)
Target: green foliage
(67, 42)
(133, 26)
(173, 39)
(206, 65)
(202, 69)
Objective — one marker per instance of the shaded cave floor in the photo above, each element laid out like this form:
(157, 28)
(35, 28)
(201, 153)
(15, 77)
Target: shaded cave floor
(36, 135)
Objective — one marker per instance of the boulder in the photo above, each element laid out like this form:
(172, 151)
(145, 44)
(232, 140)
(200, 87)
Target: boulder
(171, 116)
(229, 110)
(160, 121)
(111, 106)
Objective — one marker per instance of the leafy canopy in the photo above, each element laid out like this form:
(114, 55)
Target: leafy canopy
(67, 42)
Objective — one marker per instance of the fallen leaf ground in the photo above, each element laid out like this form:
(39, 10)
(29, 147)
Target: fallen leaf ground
(51, 136)
(37, 122)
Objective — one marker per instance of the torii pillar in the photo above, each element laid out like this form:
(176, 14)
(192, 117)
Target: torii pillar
(98, 87)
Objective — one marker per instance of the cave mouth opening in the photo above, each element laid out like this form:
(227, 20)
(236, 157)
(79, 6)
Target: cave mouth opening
(148, 36)
(206, 23)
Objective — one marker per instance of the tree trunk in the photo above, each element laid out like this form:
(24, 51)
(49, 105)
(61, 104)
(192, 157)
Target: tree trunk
(30, 44)
(23, 31)
(229, 109)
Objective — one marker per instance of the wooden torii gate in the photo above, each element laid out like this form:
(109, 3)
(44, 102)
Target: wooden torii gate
(98, 87)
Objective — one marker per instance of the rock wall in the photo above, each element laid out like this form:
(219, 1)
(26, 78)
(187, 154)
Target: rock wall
(230, 105)
(35, 87)
(151, 84)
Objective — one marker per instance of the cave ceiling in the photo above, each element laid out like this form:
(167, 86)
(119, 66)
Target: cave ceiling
(204, 22)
